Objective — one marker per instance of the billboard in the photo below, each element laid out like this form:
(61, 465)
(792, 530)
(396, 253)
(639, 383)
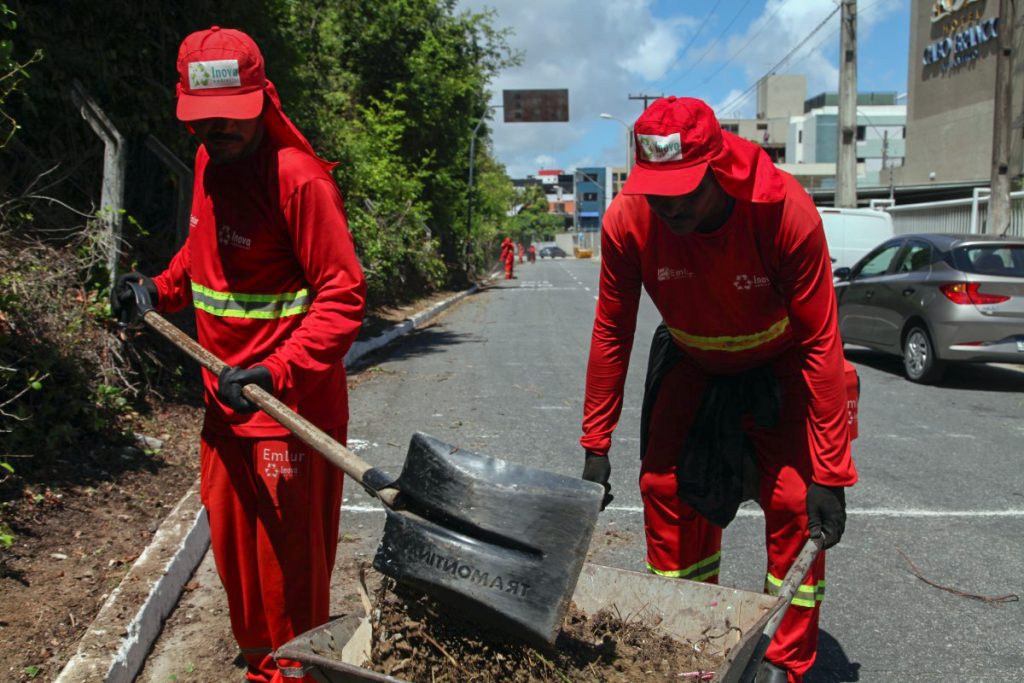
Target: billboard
(535, 106)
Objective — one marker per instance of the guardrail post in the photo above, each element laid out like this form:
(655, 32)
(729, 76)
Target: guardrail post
(976, 197)
(114, 167)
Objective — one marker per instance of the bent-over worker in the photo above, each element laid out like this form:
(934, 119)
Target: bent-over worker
(745, 395)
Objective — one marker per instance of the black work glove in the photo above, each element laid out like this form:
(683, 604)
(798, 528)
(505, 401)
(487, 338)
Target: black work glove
(597, 469)
(231, 381)
(826, 513)
(122, 301)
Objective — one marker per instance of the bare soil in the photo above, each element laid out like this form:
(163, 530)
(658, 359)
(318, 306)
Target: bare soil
(80, 522)
(77, 531)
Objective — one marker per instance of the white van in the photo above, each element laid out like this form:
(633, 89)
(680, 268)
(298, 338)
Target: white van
(852, 233)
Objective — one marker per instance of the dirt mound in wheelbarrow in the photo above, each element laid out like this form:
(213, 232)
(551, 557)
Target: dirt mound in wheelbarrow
(416, 640)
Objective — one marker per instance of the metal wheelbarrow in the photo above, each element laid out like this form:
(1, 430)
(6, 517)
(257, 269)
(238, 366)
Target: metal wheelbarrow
(684, 610)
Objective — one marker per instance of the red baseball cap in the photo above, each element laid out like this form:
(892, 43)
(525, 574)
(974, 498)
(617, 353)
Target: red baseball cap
(674, 141)
(220, 75)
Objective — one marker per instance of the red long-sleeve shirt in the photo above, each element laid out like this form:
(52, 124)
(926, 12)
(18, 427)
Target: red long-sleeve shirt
(271, 269)
(733, 299)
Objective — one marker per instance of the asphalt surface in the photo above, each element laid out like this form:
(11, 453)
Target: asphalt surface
(941, 492)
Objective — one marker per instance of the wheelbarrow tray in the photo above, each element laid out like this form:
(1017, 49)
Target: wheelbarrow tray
(682, 609)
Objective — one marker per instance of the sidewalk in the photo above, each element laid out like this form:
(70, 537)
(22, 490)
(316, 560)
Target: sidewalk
(118, 642)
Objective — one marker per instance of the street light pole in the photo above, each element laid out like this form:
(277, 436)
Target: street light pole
(629, 139)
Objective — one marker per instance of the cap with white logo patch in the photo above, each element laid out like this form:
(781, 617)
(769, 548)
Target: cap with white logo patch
(678, 139)
(220, 75)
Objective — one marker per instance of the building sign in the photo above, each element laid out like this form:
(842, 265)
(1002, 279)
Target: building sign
(943, 8)
(963, 46)
(530, 106)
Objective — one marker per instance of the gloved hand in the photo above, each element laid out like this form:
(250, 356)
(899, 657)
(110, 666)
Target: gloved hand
(826, 513)
(231, 381)
(122, 301)
(597, 469)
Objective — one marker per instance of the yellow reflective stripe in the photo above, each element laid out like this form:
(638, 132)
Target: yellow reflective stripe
(806, 595)
(725, 343)
(245, 305)
(698, 571)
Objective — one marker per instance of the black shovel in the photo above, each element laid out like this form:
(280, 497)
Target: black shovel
(501, 543)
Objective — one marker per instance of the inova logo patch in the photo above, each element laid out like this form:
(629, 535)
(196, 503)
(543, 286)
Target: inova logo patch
(217, 73)
(661, 148)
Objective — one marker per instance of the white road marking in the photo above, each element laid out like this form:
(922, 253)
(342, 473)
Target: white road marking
(356, 445)
(876, 512)
(552, 408)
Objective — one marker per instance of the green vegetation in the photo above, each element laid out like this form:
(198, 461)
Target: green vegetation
(533, 223)
(393, 90)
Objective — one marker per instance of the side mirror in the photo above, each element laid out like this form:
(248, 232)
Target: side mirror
(841, 274)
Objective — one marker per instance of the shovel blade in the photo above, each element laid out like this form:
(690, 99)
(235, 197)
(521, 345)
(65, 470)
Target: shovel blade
(501, 543)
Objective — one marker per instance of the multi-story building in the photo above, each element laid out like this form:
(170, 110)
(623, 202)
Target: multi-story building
(593, 195)
(779, 97)
(951, 92)
(558, 189)
(813, 144)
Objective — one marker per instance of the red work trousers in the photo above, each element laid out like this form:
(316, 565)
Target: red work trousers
(509, 265)
(274, 506)
(683, 544)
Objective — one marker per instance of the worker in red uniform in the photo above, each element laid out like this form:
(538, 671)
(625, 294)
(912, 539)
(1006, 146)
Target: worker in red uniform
(270, 268)
(522, 251)
(745, 395)
(532, 254)
(508, 255)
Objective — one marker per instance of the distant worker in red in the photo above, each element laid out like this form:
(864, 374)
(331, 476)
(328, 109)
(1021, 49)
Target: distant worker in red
(508, 255)
(746, 391)
(532, 251)
(270, 268)
(522, 251)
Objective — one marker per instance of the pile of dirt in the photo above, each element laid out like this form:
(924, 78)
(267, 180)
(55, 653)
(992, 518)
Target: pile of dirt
(416, 640)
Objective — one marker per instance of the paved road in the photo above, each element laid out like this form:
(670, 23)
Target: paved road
(942, 482)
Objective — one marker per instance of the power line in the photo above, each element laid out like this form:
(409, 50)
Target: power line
(746, 44)
(746, 93)
(693, 40)
(742, 96)
(714, 42)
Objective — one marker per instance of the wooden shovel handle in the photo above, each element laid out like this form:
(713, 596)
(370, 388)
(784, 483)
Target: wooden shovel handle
(341, 457)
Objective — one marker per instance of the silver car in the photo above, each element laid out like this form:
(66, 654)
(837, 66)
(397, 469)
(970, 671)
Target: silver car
(935, 298)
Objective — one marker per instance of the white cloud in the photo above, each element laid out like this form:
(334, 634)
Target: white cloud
(781, 26)
(601, 52)
(605, 50)
(544, 161)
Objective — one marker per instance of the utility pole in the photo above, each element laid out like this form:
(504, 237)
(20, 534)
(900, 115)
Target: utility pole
(846, 160)
(999, 200)
(645, 98)
(885, 162)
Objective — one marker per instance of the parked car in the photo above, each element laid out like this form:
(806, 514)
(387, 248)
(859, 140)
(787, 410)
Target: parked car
(552, 252)
(852, 233)
(936, 298)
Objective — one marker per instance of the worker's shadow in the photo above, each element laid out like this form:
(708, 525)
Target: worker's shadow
(832, 664)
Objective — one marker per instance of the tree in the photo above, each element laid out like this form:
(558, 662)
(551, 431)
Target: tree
(531, 221)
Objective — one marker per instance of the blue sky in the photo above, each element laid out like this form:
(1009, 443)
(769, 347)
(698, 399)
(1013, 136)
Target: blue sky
(605, 50)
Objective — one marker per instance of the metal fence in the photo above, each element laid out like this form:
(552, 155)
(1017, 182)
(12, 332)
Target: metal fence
(956, 216)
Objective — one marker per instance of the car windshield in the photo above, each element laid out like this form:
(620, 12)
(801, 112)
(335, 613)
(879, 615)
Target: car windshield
(995, 259)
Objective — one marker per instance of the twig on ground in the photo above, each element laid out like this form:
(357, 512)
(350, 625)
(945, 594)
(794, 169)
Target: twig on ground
(1009, 597)
(440, 649)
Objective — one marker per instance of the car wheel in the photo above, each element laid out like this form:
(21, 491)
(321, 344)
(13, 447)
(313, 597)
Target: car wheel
(919, 361)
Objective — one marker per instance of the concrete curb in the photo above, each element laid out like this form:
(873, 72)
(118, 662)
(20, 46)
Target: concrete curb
(109, 650)
(114, 653)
